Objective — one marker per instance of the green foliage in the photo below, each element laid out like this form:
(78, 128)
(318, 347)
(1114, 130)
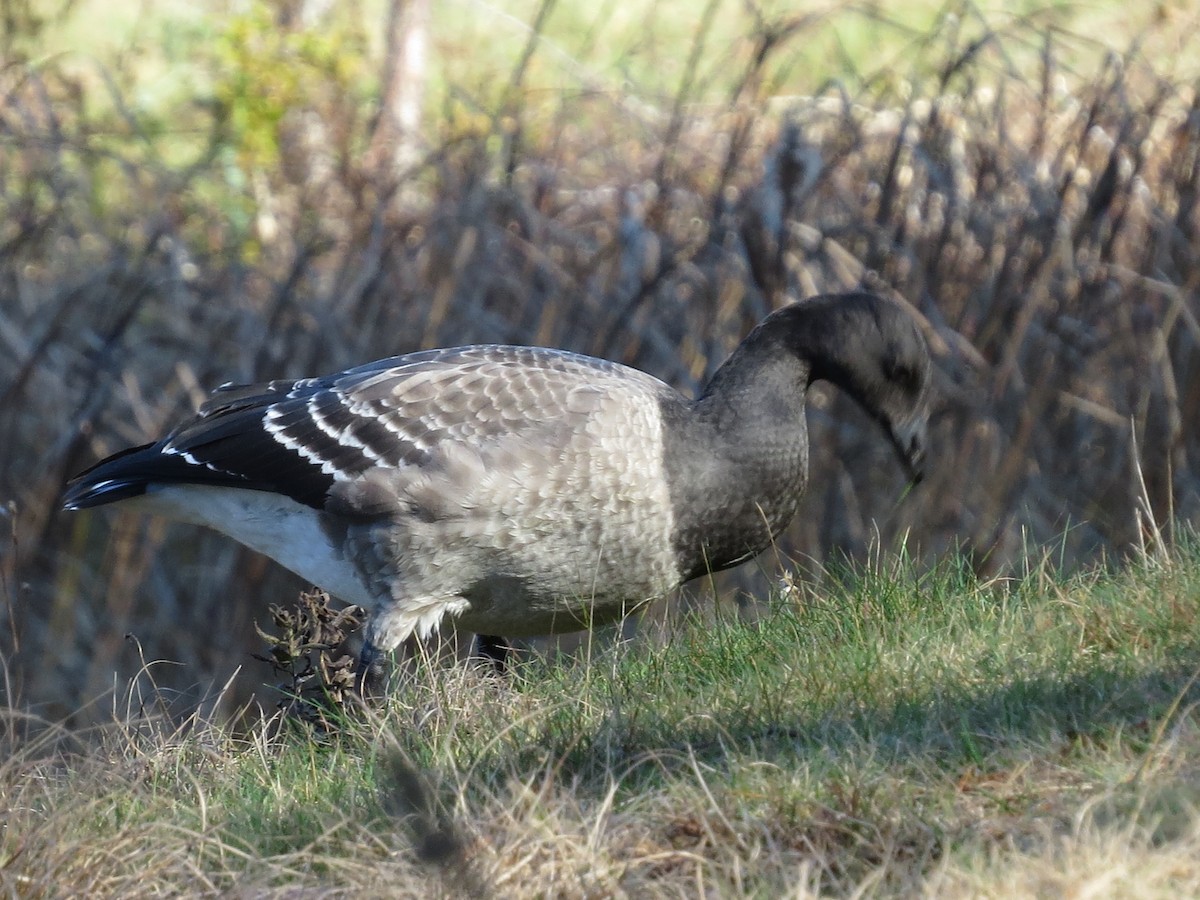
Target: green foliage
(21, 23)
(264, 72)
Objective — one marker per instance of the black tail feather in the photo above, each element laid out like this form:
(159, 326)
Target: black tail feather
(128, 474)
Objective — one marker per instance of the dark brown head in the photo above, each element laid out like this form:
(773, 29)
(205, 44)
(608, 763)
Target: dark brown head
(873, 350)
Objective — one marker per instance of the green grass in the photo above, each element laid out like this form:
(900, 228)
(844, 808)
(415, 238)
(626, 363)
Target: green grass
(882, 730)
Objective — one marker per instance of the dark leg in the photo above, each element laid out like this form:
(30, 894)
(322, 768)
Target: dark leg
(493, 649)
(367, 674)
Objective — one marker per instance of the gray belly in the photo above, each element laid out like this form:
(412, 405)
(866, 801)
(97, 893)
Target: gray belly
(516, 607)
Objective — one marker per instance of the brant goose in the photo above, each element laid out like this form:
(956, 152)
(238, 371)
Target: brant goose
(522, 490)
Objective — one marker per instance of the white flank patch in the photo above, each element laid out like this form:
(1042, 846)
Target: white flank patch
(271, 524)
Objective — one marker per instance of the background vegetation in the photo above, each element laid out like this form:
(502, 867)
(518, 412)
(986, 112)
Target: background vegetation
(194, 196)
(996, 697)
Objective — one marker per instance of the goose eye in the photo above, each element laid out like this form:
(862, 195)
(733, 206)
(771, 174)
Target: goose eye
(900, 374)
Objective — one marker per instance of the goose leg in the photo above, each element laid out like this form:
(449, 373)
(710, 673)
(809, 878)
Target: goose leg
(495, 650)
(366, 673)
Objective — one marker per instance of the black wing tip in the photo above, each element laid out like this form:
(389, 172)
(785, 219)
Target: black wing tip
(117, 477)
(84, 494)
(132, 472)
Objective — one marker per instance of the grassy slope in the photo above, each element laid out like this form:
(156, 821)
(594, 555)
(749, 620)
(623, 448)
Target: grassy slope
(890, 731)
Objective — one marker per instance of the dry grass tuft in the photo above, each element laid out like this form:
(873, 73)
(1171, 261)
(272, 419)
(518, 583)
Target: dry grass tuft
(309, 653)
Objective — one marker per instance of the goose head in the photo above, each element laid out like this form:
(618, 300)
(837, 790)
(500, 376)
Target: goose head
(872, 349)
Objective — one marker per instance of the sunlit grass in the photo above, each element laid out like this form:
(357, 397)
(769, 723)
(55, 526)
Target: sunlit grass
(889, 728)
